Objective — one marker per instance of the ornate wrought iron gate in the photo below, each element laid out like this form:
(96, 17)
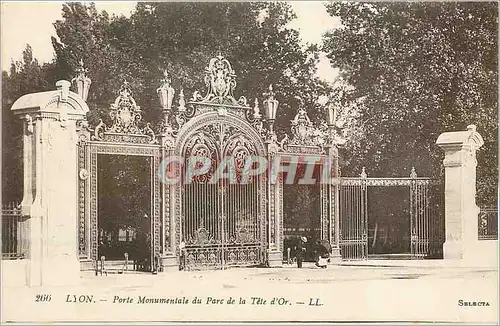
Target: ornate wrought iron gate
(222, 221)
(425, 220)
(124, 137)
(202, 224)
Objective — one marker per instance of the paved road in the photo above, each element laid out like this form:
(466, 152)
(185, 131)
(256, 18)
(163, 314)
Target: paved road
(335, 294)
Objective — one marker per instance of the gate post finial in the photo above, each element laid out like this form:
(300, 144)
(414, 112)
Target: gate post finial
(413, 173)
(363, 173)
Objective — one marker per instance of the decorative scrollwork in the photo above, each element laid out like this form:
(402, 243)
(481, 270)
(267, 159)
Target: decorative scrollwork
(276, 146)
(150, 133)
(220, 81)
(184, 113)
(201, 237)
(304, 133)
(82, 125)
(244, 236)
(126, 115)
(202, 145)
(99, 130)
(169, 134)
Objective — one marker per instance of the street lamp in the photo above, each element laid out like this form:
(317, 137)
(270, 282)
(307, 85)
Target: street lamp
(166, 94)
(82, 82)
(270, 108)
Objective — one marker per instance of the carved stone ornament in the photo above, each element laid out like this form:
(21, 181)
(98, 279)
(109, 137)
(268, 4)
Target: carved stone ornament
(29, 124)
(220, 82)
(83, 174)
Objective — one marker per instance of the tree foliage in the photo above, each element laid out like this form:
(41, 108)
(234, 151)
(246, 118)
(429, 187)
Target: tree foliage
(24, 77)
(416, 70)
(179, 37)
(182, 37)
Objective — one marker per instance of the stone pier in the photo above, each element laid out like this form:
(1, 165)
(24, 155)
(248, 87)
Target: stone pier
(50, 183)
(461, 211)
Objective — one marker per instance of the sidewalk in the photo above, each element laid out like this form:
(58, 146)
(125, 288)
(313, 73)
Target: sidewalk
(338, 293)
(422, 263)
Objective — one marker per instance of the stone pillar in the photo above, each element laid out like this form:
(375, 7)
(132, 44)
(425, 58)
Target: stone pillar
(51, 183)
(461, 212)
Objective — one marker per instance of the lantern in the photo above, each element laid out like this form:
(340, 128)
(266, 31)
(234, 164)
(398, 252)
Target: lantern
(270, 107)
(166, 93)
(82, 82)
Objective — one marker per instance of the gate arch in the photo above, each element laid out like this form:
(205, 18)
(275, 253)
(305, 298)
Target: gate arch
(190, 128)
(226, 227)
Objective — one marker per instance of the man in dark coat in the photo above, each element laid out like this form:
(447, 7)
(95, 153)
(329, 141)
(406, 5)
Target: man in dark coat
(301, 251)
(142, 243)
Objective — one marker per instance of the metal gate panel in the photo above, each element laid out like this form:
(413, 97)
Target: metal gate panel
(221, 221)
(353, 219)
(419, 219)
(426, 219)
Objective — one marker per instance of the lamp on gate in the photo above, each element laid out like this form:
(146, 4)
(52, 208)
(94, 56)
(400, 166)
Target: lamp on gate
(166, 94)
(331, 115)
(270, 108)
(82, 81)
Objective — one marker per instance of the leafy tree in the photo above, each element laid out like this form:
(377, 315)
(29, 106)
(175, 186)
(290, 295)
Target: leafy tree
(25, 76)
(416, 70)
(182, 37)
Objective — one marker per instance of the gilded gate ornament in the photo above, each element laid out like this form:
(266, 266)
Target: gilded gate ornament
(125, 115)
(220, 81)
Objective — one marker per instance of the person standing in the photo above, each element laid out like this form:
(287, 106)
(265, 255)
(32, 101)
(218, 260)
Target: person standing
(182, 248)
(301, 250)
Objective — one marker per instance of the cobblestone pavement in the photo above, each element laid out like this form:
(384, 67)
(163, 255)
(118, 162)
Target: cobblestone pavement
(338, 293)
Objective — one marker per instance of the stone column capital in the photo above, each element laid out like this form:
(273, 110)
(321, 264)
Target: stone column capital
(468, 140)
(58, 104)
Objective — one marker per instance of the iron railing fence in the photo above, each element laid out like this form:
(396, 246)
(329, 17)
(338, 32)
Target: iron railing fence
(488, 223)
(15, 232)
(420, 201)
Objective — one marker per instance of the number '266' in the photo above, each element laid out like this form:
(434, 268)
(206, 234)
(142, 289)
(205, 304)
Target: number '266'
(43, 298)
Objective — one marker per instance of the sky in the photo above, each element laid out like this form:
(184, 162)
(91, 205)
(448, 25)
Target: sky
(31, 23)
